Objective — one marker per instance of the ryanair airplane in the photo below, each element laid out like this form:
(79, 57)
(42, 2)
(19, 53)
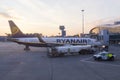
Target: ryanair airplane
(19, 37)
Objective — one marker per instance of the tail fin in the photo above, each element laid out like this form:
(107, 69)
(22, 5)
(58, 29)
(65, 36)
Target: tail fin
(16, 32)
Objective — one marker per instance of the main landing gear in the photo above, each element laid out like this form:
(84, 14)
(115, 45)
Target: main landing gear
(27, 48)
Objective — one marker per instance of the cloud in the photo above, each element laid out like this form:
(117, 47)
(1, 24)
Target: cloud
(9, 15)
(5, 15)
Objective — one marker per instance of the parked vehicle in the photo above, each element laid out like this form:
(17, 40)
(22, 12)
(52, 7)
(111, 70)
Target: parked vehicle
(104, 56)
(70, 49)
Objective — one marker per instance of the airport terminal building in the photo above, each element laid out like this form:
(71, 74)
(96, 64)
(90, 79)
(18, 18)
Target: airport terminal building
(3, 38)
(113, 31)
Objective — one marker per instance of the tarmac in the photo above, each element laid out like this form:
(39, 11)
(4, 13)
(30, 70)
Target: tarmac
(17, 64)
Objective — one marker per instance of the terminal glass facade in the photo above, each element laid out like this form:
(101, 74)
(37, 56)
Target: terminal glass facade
(114, 33)
(112, 30)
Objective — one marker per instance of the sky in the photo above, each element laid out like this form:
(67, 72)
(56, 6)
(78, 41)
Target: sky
(45, 16)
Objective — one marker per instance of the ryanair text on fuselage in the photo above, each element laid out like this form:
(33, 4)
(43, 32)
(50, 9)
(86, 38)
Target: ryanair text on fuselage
(72, 41)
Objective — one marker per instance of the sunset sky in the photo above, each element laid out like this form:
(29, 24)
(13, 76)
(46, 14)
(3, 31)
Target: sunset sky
(45, 16)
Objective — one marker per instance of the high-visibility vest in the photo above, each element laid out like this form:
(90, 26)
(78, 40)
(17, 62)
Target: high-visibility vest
(110, 55)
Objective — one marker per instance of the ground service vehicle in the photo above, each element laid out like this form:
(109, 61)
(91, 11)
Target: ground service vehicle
(70, 49)
(104, 56)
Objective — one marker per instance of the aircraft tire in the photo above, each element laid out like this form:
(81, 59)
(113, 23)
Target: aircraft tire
(83, 51)
(112, 59)
(61, 54)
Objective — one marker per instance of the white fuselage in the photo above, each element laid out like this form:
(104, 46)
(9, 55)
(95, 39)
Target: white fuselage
(61, 40)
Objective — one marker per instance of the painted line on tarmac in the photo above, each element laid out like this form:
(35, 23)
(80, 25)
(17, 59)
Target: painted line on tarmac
(85, 60)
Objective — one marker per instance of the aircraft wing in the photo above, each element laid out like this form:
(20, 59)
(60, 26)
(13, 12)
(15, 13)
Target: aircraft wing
(49, 44)
(35, 44)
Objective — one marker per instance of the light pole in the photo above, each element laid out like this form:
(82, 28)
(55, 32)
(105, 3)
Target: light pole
(82, 21)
